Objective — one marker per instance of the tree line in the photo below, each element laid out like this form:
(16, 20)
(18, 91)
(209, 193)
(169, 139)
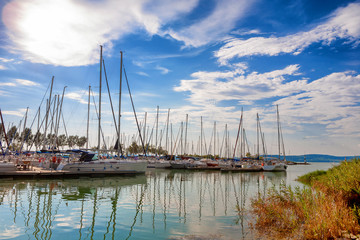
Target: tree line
(38, 140)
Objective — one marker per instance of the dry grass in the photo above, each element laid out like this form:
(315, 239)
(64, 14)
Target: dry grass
(328, 210)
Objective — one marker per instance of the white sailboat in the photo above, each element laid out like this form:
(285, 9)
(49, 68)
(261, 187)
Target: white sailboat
(276, 164)
(92, 163)
(105, 166)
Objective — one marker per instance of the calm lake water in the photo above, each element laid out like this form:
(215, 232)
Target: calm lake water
(162, 204)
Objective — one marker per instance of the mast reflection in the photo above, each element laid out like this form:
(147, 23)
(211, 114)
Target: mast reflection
(160, 203)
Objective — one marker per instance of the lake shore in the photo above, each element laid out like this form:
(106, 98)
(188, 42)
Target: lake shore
(327, 209)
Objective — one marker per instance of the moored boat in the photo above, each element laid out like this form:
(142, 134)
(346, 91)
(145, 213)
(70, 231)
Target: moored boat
(274, 165)
(7, 167)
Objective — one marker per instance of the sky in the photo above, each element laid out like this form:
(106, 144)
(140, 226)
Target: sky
(206, 60)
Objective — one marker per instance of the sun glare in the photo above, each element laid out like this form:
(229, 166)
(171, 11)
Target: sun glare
(49, 30)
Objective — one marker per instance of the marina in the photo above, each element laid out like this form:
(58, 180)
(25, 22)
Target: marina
(179, 120)
(162, 203)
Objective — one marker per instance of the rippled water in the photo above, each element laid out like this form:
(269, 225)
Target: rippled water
(162, 204)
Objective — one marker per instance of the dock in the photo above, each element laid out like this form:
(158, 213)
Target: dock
(40, 173)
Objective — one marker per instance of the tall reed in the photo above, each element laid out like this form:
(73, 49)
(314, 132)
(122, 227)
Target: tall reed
(328, 209)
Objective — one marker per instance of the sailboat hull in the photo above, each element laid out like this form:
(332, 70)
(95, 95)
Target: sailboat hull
(103, 166)
(278, 167)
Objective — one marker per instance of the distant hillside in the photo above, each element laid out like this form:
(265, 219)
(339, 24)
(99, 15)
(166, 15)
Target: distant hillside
(316, 158)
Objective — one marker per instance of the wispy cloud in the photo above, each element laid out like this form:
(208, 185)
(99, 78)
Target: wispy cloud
(246, 32)
(7, 84)
(5, 60)
(214, 26)
(19, 82)
(163, 70)
(344, 23)
(79, 96)
(26, 82)
(68, 32)
(19, 112)
(143, 74)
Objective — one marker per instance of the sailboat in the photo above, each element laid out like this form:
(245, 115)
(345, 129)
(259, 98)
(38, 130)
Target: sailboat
(276, 164)
(95, 163)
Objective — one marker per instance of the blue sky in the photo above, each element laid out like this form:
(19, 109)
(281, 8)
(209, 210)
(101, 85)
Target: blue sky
(202, 58)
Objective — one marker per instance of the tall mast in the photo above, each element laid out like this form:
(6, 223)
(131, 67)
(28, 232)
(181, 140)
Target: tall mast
(186, 128)
(201, 129)
(278, 127)
(171, 139)
(88, 117)
(3, 128)
(53, 142)
(226, 142)
(167, 131)
(58, 121)
(145, 128)
(257, 134)
(24, 134)
(56, 100)
(120, 89)
(214, 139)
(157, 126)
(181, 137)
(38, 131)
(99, 127)
(237, 136)
(48, 110)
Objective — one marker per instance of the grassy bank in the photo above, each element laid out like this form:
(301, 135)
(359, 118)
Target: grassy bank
(328, 209)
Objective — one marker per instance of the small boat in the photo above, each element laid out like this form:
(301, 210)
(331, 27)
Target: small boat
(243, 168)
(90, 163)
(7, 167)
(274, 166)
(180, 164)
(162, 164)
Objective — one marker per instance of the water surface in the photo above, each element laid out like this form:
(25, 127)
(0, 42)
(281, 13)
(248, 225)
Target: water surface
(162, 204)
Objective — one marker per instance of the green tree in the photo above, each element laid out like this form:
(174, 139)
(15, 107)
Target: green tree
(13, 134)
(27, 136)
(133, 148)
(71, 141)
(38, 139)
(61, 141)
(81, 141)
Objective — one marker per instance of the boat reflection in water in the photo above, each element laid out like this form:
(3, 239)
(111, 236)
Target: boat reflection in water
(161, 204)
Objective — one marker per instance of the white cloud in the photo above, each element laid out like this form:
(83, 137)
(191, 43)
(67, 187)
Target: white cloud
(7, 84)
(246, 32)
(344, 23)
(163, 70)
(26, 82)
(68, 32)
(17, 82)
(234, 85)
(143, 74)
(80, 96)
(19, 113)
(215, 26)
(5, 60)
(331, 101)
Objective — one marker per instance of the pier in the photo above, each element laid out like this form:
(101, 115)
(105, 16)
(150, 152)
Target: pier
(40, 173)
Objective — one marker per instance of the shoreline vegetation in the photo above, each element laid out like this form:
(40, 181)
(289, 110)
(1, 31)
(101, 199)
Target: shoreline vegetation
(328, 208)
